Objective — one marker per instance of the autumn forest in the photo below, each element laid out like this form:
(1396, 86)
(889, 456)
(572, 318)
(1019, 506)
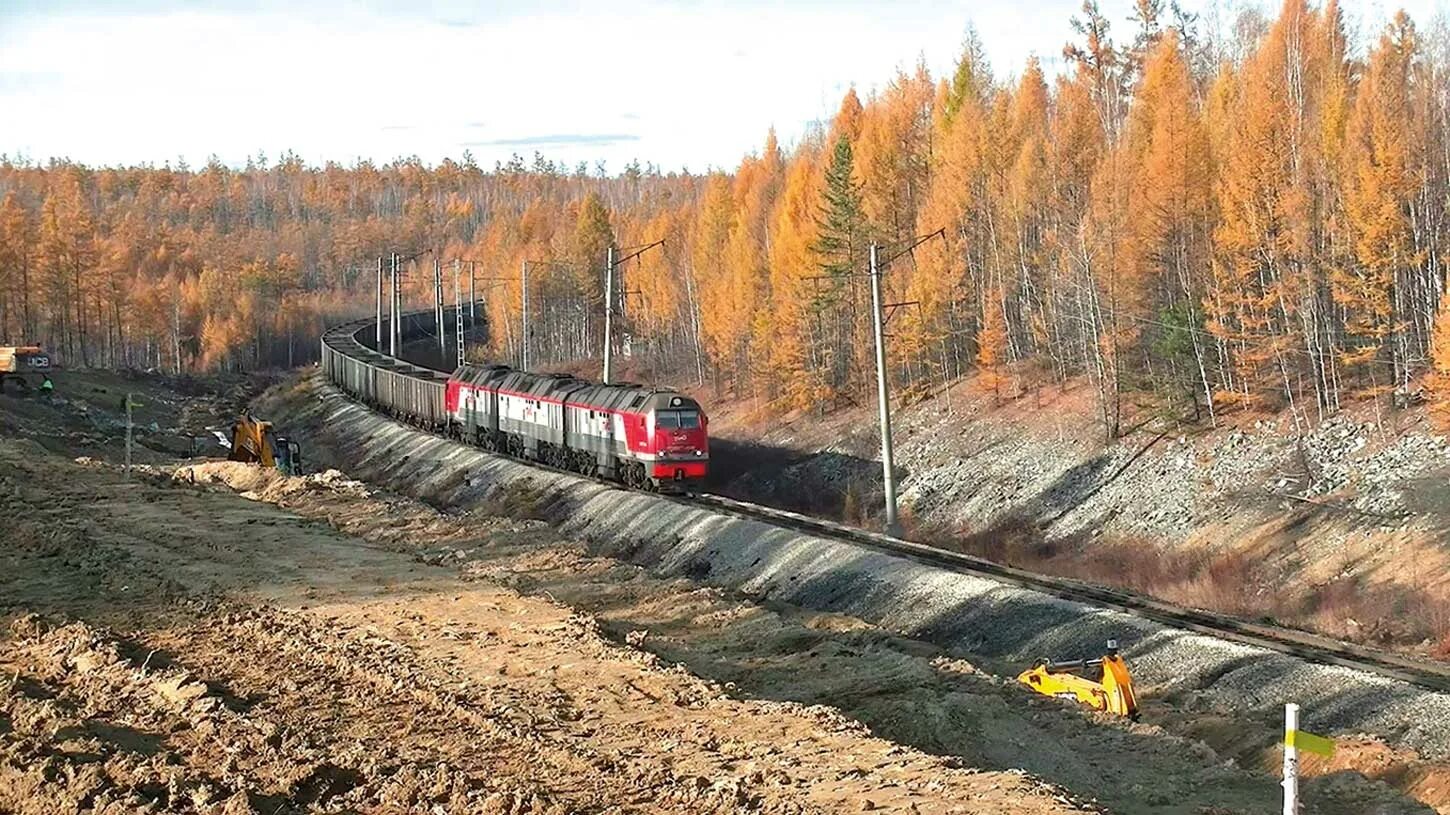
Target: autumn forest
(1186, 221)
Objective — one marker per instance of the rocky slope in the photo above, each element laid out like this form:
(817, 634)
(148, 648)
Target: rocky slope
(1320, 526)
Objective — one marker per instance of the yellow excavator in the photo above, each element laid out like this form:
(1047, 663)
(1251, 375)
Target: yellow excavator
(254, 441)
(1103, 683)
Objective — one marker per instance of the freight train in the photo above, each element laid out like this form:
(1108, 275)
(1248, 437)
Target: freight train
(643, 437)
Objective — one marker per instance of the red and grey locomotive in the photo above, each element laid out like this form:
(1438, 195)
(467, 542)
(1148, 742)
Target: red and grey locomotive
(647, 438)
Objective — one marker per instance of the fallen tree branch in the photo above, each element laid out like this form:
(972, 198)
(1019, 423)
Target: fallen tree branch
(1341, 507)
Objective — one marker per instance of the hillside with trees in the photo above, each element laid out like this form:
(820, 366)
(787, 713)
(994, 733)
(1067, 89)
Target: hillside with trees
(1192, 223)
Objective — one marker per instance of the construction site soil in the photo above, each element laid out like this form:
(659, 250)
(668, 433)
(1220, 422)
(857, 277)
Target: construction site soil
(205, 636)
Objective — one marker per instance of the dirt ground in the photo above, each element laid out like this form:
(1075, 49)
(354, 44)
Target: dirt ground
(170, 416)
(171, 647)
(217, 639)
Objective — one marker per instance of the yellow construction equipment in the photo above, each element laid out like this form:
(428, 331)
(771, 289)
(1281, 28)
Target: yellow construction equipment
(254, 441)
(1103, 683)
(27, 365)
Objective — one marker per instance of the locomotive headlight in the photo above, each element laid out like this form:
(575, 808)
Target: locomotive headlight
(699, 453)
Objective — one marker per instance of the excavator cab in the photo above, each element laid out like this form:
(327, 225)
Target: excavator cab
(289, 456)
(254, 441)
(1102, 684)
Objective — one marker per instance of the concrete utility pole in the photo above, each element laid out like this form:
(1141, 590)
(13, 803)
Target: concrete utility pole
(438, 310)
(378, 334)
(393, 326)
(883, 398)
(879, 317)
(608, 314)
(472, 294)
(457, 312)
(610, 265)
(524, 310)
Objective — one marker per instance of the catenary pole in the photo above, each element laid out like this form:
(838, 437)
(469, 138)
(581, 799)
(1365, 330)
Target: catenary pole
(393, 307)
(438, 310)
(524, 310)
(378, 334)
(883, 398)
(129, 425)
(608, 314)
(609, 286)
(457, 312)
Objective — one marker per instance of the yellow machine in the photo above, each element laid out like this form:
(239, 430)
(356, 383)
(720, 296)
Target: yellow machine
(254, 441)
(1102, 683)
(27, 365)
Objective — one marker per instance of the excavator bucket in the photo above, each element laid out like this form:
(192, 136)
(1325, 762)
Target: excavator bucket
(1102, 684)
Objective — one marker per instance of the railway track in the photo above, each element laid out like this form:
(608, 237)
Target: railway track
(342, 341)
(1301, 644)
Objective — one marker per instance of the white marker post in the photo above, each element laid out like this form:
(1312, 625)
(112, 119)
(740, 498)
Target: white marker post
(1294, 741)
(1291, 759)
(128, 435)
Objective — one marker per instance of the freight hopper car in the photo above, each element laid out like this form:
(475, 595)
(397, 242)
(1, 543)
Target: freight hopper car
(407, 392)
(646, 438)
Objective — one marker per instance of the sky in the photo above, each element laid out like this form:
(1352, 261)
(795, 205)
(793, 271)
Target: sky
(684, 84)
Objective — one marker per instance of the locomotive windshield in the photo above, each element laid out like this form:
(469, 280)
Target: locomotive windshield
(687, 419)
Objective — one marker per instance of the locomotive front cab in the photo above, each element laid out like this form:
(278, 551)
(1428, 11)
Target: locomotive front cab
(679, 431)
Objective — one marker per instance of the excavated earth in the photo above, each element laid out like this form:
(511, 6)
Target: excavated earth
(918, 654)
(213, 638)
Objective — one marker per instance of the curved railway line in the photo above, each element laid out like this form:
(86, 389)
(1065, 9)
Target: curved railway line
(349, 363)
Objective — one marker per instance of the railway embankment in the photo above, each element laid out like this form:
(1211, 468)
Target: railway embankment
(1336, 524)
(1000, 628)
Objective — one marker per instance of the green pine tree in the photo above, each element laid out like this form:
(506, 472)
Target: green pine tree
(841, 223)
(840, 249)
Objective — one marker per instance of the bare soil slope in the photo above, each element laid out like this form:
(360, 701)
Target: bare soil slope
(172, 647)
